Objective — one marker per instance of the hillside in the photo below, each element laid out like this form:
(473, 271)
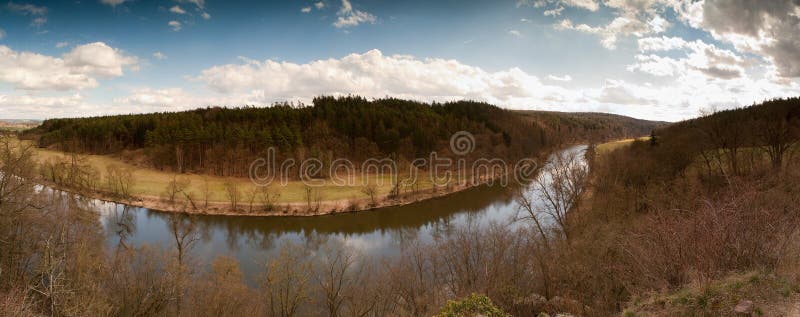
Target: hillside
(673, 222)
(223, 141)
(575, 127)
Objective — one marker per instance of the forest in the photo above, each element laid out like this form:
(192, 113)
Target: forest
(223, 141)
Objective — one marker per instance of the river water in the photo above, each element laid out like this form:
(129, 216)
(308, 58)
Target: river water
(252, 240)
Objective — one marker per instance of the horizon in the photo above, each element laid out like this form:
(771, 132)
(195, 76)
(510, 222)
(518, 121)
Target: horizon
(311, 104)
(653, 60)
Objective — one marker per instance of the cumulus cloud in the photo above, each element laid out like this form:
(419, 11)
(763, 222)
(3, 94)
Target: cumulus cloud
(205, 15)
(175, 25)
(767, 28)
(700, 56)
(177, 9)
(62, 44)
(373, 74)
(624, 25)
(631, 18)
(76, 69)
(159, 56)
(348, 17)
(319, 5)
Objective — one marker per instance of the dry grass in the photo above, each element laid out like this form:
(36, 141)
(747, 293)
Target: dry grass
(613, 145)
(771, 294)
(153, 183)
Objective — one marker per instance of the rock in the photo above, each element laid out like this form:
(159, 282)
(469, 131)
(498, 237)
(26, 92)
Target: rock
(744, 308)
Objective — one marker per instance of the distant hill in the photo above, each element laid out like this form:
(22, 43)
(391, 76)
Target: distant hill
(223, 141)
(574, 127)
(18, 124)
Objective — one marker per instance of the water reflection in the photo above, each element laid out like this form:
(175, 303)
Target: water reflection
(252, 240)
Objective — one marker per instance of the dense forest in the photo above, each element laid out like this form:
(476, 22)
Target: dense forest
(222, 141)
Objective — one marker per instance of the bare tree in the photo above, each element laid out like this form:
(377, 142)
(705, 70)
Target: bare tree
(337, 275)
(252, 194)
(268, 197)
(777, 137)
(185, 235)
(557, 191)
(313, 198)
(371, 190)
(234, 194)
(177, 186)
(206, 192)
(285, 282)
(119, 181)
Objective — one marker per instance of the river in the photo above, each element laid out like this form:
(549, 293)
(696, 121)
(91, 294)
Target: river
(252, 240)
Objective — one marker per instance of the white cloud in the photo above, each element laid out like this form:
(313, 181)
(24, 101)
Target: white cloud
(76, 69)
(347, 17)
(112, 3)
(319, 5)
(2, 33)
(620, 26)
(564, 78)
(175, 25)
(630, 18)
(706, 58)
(205, 15)
(177, 9)
(373, 74)
(591, 5)
(305, 9)
(515, 33)
(62, 44)
(766, 28)
(149, 100)
(33, 107)
(159, 56)
(554, 12)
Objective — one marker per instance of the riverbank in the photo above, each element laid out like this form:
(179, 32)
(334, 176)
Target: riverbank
(209, 195)
(292, 209)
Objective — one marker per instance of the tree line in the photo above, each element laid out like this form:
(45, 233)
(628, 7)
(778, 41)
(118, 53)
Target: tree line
(223, 141)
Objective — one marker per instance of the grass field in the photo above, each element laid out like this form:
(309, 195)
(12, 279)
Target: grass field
(153, 183)
(613, 145)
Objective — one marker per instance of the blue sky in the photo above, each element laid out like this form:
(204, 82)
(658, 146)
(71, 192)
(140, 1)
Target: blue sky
(655, 59)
